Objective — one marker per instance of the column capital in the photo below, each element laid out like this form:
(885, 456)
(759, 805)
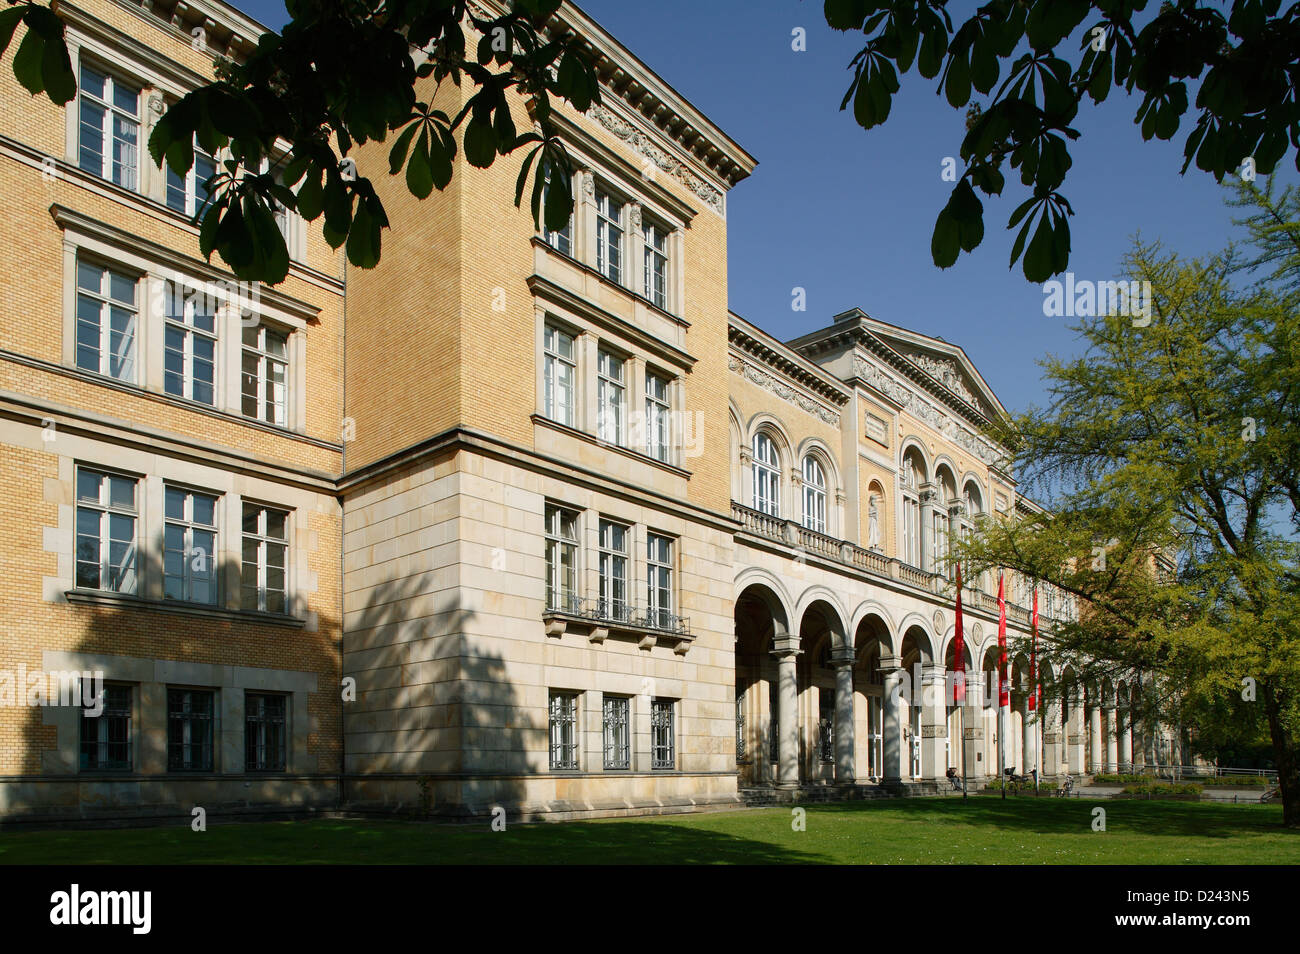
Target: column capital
(783, 646)
(890, 663)
(843, 657)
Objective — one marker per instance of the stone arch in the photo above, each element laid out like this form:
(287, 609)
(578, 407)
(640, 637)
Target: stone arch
(836, 616)
(915, 629)
(770, 589)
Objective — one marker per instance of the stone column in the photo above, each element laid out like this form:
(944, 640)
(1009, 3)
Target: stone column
(787, 649)
(1111, 737)
(891, 724)
(1052, 739)
(934, 722)
(1094, 738)
(1124, 729)
(1006, 739)
(972, 721)
(845, 728)
(1074, 737)
(929, 501)
(1028, 738)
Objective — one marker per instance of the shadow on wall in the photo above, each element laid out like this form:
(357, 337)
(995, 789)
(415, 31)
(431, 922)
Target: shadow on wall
(437, 727)
(60, 779)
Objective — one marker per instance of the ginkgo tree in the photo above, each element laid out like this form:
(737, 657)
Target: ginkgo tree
(342, 73)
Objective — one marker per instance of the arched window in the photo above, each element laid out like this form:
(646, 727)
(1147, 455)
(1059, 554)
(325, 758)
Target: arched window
(945, 491)
(912, 479)
(767, 476)
(814, 494)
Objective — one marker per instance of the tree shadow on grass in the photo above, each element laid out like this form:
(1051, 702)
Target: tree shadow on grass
(1070, 816)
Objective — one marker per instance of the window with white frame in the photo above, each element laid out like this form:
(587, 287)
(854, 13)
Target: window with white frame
(560, 374)
(659, 580)
(108, 140)
(767, 476)
(561, 558)
(563, 730)
(611, 397)
(107, 518)
(911, 479)
(814, 494)
(107, 318)
(617, 724)
(264, 374)
(264, 559)
(561, 240)
(189, 545)
(656, 263)
(613, 570)
(609, 235)
(189, 346)
(188, 192)
(663, 742)
(658, 416)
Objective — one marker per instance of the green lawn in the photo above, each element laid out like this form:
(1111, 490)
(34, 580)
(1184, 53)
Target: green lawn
(922, 831)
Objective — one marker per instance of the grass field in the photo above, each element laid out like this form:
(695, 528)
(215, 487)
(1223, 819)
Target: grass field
(917, 831)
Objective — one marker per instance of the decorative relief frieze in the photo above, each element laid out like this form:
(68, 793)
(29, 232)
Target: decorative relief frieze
(783, 391)
(947, 373)
(923, 409)
(642, 144)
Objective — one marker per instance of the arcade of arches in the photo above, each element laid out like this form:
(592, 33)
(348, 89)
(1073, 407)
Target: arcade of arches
(820, 700)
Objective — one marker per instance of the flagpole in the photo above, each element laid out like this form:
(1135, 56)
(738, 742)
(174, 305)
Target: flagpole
(960, 660)
(1002, 681)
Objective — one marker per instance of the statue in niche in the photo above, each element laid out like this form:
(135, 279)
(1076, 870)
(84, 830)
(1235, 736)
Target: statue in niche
(873, 525)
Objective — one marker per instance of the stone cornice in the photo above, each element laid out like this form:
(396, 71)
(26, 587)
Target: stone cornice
(769, 381)
(777, 358)
(231, 33)
(667, 115)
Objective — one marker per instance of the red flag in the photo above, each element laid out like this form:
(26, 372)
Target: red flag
(959, 652)
(1004, 691)
(1033, 656)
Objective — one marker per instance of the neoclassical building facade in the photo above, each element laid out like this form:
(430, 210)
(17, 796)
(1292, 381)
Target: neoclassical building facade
(513, 519)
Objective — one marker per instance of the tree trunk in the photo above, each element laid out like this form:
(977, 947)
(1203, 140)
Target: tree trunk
(1284, 754)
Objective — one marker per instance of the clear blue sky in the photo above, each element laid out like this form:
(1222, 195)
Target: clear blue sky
(847, 214)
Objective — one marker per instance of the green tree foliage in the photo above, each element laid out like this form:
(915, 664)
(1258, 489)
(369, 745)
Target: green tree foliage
(343, 73)
(1168, 455)
(1237, 67)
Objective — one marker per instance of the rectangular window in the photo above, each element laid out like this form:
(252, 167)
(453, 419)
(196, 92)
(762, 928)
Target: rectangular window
(656, 264)
(561, 241)
(659, 581)
(189, 347)
(613, 570)
(189, 730)
(663, 748)
(826, 725)
(265, 739)
(617, 725)
(611, 397)
(188, 193)
(564, 730)
(264, 559)
(561, 559)
(658, 408)
(264, 375)
(609, 236)
(106, 529)
(106, 321)
(108, 140)
(106, 738)
(560, 373)
(189, 546)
